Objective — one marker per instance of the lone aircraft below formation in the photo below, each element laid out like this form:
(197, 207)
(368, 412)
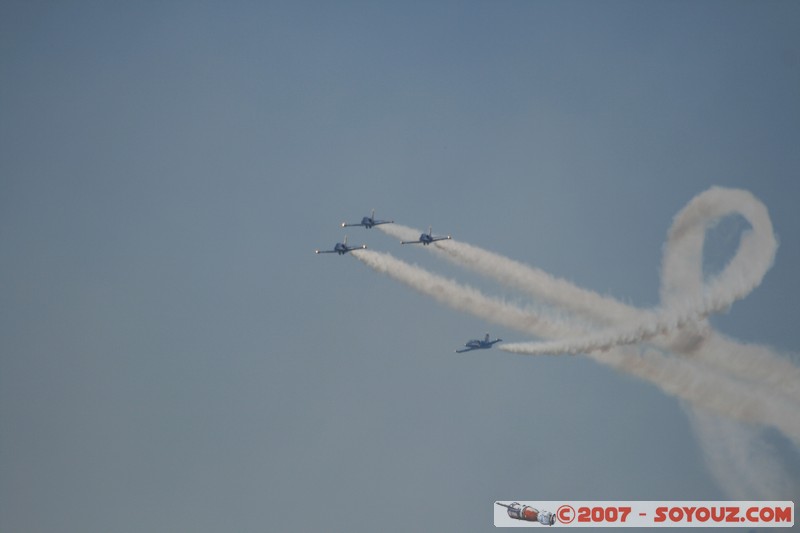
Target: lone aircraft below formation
(477, 344)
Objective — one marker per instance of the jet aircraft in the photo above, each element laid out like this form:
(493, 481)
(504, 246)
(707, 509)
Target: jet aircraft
(341, 248)
(477, 344)
(368, 222)
(426, 238)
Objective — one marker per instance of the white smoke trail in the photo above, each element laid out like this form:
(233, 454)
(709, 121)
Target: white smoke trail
(533, 281)
(463, 298)
(721, 393)
(604, 340)
(399, 231)
(734, 451)
(756, 363)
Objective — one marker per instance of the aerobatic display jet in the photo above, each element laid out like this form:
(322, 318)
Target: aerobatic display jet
(368, 222)
(426, 238)
(341, 248)
(477, 344)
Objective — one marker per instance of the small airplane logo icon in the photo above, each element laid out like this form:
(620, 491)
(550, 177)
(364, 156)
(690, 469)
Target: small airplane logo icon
(341, 248)
(528, 513)
(426, 238)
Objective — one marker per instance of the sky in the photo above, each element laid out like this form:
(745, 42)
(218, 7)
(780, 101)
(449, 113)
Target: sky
(174, 356)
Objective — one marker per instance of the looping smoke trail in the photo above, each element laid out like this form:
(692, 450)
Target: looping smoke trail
(686, 299)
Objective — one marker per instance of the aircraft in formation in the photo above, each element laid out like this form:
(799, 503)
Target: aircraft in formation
(426, 238)
(367, 222)
(478, 344)
(341, 248)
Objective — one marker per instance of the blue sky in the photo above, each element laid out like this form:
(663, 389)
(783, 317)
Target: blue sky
(175, 357)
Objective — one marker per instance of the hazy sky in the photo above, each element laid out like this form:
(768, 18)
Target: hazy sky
(174, 356)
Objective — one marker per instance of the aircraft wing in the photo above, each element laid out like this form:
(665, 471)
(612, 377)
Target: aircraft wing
(346, 225)
(410, 242)
(465, 350)
(325, 251)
